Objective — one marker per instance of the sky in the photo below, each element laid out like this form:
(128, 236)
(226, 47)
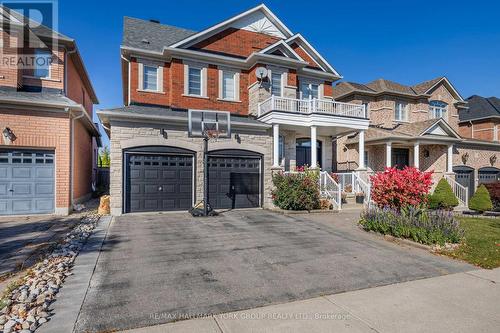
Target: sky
(403, 41)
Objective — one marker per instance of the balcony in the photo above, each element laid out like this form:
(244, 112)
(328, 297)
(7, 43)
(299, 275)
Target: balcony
(311, 106)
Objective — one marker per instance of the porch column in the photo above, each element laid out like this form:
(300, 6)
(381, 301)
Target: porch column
(361, 157)
(388, 154)
(314, 149)
(416, 155)
(276, 145)
(450, 159)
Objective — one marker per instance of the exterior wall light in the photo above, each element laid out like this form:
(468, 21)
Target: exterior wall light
(426, 153)
(493, 159)
(164, 133)
(9, 135)
(465, 158)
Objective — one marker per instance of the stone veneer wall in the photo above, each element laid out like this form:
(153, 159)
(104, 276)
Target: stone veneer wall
(479, 157)
(291, 136)
(131, 134)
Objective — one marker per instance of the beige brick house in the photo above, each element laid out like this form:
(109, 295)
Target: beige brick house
(415, 126)
(48, 140)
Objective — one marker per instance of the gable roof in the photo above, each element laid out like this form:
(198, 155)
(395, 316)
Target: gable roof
(151, 36)
(480, 108)
(283, 47)
(420, 130)
(381, 86)
(283, 29)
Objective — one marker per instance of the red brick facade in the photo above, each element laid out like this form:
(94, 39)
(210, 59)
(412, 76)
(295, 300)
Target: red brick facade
(51, 130)
(480, 130)
(303, 54)
(236, 42)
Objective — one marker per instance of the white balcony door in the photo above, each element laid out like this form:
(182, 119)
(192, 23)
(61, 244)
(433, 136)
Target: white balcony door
(309, 90)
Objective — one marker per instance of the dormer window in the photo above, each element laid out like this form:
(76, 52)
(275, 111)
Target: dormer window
(401, 111)
(438, 109)
(43, 58)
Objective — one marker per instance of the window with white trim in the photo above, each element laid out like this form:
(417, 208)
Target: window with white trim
(150, 78)
(194, 81)
(438, 109)
(276, 83)
(229, 85)
(43, 59)
(401, 111)
(309, 90)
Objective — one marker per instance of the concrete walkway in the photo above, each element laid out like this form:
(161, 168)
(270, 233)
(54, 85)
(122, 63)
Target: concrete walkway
(462, 302)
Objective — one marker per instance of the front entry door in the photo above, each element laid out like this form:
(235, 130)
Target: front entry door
(303, 152)
(400, 157)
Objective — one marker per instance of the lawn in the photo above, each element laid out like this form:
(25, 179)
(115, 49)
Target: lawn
(482, 242)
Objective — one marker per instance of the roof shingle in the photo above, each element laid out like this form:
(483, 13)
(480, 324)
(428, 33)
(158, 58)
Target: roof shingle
(480, 108)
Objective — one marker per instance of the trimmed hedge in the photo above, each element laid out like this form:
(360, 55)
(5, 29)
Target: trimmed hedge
(481, 200)
(420, 225)
(443, 196)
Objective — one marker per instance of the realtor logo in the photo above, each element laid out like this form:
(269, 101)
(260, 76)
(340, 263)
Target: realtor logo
(28, 33)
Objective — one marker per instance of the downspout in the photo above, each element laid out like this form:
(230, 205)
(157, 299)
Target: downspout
(128, 79)
(72, 154)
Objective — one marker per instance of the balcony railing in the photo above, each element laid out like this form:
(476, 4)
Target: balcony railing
(308, 106)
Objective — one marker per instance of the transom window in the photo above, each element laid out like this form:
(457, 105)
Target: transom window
(43, 58)
(150, 78)
(401, 111)
(194, 81)
(438, 109)
(309, 90)
(276, 84)
(228, 85)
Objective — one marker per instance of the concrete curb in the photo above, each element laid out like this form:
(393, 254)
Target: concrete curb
(70, 298)
(294, 212)
(407, 242)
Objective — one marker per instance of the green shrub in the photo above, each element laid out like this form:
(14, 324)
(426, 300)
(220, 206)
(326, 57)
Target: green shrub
(420, 225)
(443, 196)
(296, 191)
(481, 200)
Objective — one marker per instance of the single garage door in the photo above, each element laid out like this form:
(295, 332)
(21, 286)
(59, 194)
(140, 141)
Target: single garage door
(26, 182)
(234, 179)
(488, 175)
(158, 181)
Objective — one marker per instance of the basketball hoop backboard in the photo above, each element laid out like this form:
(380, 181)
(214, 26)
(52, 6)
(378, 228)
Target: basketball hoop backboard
(209, 124)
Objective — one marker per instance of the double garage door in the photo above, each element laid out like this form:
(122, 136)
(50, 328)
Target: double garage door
(26, 182)
(163, 179)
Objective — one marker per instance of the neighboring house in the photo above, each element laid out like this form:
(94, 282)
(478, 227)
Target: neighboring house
(481, 120)
(48, 141)
(417, 126)
(285, 121)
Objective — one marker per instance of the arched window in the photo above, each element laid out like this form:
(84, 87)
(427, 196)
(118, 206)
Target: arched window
(438, 109)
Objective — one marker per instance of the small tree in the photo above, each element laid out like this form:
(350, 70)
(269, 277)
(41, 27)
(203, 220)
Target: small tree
(481, 200)
(443, 196)
(104, 157)
(399, 188)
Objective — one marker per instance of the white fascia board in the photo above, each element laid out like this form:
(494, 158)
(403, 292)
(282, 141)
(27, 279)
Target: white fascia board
(445, 79)
(283, 44)
(314, 119)
(214, 29)
(442, 122)
(315, 53)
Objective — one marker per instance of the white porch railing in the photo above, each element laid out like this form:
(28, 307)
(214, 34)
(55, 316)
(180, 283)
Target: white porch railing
(460, 191)
(330, 189)
(307, 106)
(356, 183)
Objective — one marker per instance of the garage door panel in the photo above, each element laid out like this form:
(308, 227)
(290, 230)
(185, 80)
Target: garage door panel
(165, 180)
(4, 171)
(4, 204)
(22, 189)
(21, 206)
(43, 173)
(21, 172)
(4, 189)
(44, 204)
(44, 189)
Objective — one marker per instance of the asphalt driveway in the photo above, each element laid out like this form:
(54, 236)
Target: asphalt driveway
(159, 268)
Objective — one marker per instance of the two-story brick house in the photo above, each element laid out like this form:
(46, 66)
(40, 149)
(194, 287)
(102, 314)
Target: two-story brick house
(48, 144)
(419, 126)
(283, 120)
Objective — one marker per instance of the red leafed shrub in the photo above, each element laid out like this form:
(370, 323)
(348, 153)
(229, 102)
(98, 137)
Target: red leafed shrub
(494, 189)
(399, 188)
